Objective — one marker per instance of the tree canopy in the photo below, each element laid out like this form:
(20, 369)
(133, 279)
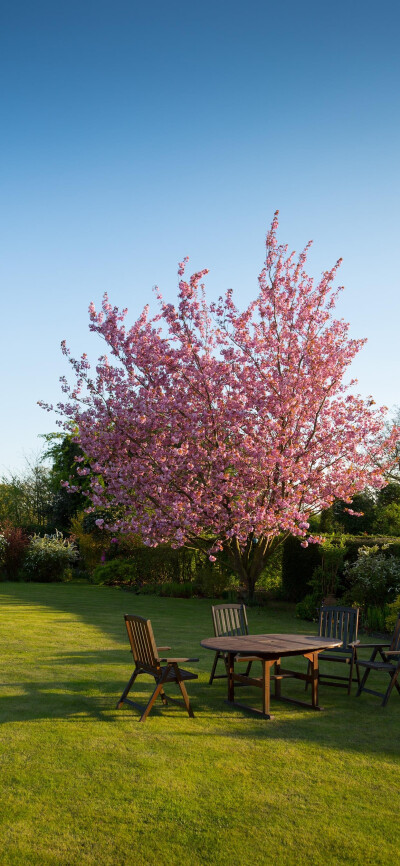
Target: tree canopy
(227, 429)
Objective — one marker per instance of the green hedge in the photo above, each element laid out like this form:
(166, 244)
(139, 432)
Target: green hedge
(298, 563)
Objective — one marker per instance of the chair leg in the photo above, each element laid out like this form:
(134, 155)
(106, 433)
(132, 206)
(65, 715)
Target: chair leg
(127, 689)
(308, 674)
(351, 674)
(363, 681)
(185, 696)
(157, 690)
(247, 671)
(217, 655)
(163, 698)
(393, 682)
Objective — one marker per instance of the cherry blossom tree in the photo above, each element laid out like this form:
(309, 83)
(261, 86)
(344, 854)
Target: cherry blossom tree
(226, 430)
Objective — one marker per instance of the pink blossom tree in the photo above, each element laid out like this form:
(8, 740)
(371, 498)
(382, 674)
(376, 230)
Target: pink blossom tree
(226, 430)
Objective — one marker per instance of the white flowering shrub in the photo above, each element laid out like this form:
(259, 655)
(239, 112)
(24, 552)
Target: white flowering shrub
(374, 579)
(49, 557)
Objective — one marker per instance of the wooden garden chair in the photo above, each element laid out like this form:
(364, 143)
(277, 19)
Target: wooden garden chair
(228, 620)
(389, 663)
(147, 661)
(341, 623)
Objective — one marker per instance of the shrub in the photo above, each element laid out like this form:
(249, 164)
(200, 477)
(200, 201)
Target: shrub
(168, 589)
(163, 563)
(92, 545)
(271, 577)
(325, 580)
(299, 563)
(212, 580)
(174, 589)
(374, 618)
(3, 548)
(15, 550)
(308, 608)
(117, 572)
(48, 557)
(393, 611)
(374, 579)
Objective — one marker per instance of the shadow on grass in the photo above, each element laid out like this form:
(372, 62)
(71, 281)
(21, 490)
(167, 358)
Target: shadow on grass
(348, 723)
(353, 728)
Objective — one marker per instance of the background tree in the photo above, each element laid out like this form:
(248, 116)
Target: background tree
(338, 519)
(61, 451)
(227, 430)
(26, 499)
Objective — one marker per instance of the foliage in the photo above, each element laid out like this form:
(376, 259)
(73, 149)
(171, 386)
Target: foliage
(170, 589)
(338, 518)
(14, 551)
(92, 547)
(393, 611)
(308, 607)
(226, 430)
(117, 572)
(271, 577)
(388, 520)
(212, 579)
(325, 578)
(48, 557)
(298, 565)
(374, 579)
(374, 618)
(324, 581)
(26, 500)
(161, 570)
(63, 453)
(389, 546)
(3, 548)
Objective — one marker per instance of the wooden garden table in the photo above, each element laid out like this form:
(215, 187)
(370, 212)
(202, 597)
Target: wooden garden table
(269, 649)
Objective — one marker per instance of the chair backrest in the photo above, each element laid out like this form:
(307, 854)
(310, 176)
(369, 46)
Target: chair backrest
(395, 644)
(229, 620)
(339, 623)
(141, 639)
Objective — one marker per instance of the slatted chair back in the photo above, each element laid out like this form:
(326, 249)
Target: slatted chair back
(339, 623)
(229, 620)
(143, 645)
(395, 644)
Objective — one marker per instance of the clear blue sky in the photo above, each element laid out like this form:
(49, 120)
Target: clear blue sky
(136, 133)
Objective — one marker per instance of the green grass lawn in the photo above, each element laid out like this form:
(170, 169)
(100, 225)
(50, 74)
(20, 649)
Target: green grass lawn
(83, 783)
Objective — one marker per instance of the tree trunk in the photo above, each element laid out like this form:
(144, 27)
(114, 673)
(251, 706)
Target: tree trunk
(249, 563)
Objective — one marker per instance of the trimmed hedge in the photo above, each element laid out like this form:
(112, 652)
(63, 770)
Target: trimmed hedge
(298, 563)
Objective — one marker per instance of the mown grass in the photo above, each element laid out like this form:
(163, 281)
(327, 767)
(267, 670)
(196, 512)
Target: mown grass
(83, 783)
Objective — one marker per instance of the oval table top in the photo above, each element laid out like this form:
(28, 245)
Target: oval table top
(270, 646)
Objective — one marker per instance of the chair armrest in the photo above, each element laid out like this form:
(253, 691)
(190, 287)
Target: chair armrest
(392, 653)
(355, 643)
(163, 648)
(173, 661)
(369, 645)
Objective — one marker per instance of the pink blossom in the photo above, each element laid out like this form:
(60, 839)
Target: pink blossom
(222, 428)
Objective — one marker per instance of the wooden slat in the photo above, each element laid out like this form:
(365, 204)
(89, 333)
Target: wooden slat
(339, 623)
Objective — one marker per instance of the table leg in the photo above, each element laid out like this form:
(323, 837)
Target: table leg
(278, 679)
(313, 678)
(266, 684)
(314, 674)
(231, 681)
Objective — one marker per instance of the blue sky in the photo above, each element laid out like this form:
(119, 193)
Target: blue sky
(134, 134)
